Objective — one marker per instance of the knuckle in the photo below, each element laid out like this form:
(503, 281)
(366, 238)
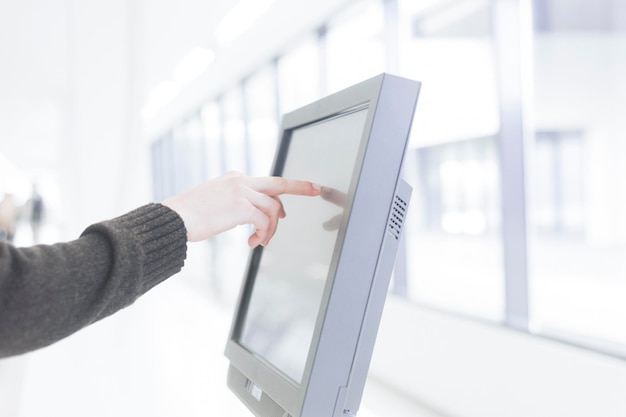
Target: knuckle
(275, 205)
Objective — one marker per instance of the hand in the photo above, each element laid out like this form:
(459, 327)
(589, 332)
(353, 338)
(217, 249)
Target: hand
(235, 199)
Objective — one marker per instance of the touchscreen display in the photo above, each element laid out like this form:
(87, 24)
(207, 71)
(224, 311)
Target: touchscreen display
(293, 268)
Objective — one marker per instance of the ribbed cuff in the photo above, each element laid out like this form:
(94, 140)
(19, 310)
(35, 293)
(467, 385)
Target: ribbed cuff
(160, 235)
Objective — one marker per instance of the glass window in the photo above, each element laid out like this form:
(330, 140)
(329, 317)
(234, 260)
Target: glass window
(188, 154)
(195, 151)
(180, 176)
(234, 131)
(211, 121)
(262, 119)
(164, 167)
(299, 80)
(575, 171)
(227, 146)
(157, 165)
(454, 245)
(355, 45)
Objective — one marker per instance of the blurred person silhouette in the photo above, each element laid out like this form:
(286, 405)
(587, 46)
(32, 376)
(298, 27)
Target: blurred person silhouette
(48, 292)
(35, 206)
(9, 213)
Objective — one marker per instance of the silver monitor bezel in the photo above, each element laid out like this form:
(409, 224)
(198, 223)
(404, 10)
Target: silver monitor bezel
(332, 380)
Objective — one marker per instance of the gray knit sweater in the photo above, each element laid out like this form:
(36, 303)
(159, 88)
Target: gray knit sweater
(48, 292)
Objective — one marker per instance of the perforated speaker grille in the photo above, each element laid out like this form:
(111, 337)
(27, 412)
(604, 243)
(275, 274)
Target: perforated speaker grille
(396, 220)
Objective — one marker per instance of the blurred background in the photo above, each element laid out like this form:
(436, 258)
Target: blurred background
(509, 294)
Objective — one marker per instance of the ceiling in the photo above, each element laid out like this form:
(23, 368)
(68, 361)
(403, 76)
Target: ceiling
(37, 49)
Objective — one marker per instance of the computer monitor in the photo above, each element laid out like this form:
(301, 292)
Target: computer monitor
(311, 301)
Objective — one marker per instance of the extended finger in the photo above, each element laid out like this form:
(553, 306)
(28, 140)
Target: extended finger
(279, 185)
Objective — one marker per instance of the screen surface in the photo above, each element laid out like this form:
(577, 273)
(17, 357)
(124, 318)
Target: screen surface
(293, 269)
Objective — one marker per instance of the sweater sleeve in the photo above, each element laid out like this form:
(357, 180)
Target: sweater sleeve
(48, 292)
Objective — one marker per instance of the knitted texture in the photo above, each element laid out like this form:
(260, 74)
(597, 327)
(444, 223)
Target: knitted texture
(50, 291)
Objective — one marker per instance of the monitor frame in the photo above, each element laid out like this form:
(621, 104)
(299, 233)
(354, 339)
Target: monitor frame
(358, 279)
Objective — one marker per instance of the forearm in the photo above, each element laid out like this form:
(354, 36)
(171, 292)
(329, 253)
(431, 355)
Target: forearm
(50, 291)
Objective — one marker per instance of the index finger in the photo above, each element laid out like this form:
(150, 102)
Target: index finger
(279, 185)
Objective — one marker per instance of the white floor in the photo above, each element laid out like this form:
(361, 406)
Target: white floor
(162, 357)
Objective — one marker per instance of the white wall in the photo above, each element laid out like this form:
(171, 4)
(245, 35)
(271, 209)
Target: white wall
(70, 103)
(102, 109)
